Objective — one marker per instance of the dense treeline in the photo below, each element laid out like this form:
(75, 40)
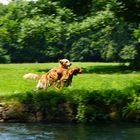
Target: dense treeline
(81, 30)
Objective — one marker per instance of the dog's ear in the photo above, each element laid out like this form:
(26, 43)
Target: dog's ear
(60, 61)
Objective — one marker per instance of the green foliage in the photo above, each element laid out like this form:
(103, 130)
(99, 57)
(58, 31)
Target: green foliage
(127, 8)
(81, 105)
(81, 50)
(91, 30)
(4, 58)
(137, 33)
(128, 53)
(79, 7)
(132, 110)
(35, 33)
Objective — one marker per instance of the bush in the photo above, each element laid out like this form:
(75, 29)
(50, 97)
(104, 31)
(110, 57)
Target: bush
(83, 105)
(4, 58)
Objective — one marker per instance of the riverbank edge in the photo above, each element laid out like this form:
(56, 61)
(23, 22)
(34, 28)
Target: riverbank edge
(73, 106)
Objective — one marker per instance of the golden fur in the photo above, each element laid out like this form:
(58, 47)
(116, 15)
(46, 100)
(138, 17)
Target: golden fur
(58, 81)
(52, 76)
(68, 78)
(31, 76)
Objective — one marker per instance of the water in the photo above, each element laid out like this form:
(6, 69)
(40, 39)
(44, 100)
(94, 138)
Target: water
(39, 131)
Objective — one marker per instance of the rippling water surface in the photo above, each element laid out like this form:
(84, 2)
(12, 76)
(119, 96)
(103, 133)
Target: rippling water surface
(39, 131)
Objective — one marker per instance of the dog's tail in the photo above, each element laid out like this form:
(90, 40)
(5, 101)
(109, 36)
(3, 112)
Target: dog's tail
(31, 76)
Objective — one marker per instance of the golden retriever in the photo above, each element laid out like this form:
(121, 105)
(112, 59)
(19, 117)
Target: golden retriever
(58, 81)
(52, 76)
(68, 78)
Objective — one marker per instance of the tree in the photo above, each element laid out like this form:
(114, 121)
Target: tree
(91, 30)
(78, 7)
(35, 33)
(129, 10)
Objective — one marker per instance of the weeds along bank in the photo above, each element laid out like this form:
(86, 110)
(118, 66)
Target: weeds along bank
(103, 92)
(73, 106)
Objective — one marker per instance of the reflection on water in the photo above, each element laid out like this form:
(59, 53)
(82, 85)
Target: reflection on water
(39, 131)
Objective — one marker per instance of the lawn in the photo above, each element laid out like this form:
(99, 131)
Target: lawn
(96, 76)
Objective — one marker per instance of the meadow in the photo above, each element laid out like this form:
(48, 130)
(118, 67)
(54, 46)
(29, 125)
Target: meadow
(96, 76)
(102, 91)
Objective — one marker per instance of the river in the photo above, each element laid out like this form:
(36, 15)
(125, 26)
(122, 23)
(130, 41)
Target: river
(44, 131)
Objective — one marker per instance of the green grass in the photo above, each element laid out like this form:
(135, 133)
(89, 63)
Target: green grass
(102, 89)
(11, 77)
(96, 76)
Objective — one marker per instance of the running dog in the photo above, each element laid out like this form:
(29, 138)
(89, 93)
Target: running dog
(52, 76)
(68, 78)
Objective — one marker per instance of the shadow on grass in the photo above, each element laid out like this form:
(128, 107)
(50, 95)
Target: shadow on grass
(102, 69)
(109, 69)
(43, 70)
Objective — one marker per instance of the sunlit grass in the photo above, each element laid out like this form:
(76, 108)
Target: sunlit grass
(96, 76)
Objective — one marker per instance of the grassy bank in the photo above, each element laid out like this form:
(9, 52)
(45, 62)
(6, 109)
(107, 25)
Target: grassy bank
(104, 91)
